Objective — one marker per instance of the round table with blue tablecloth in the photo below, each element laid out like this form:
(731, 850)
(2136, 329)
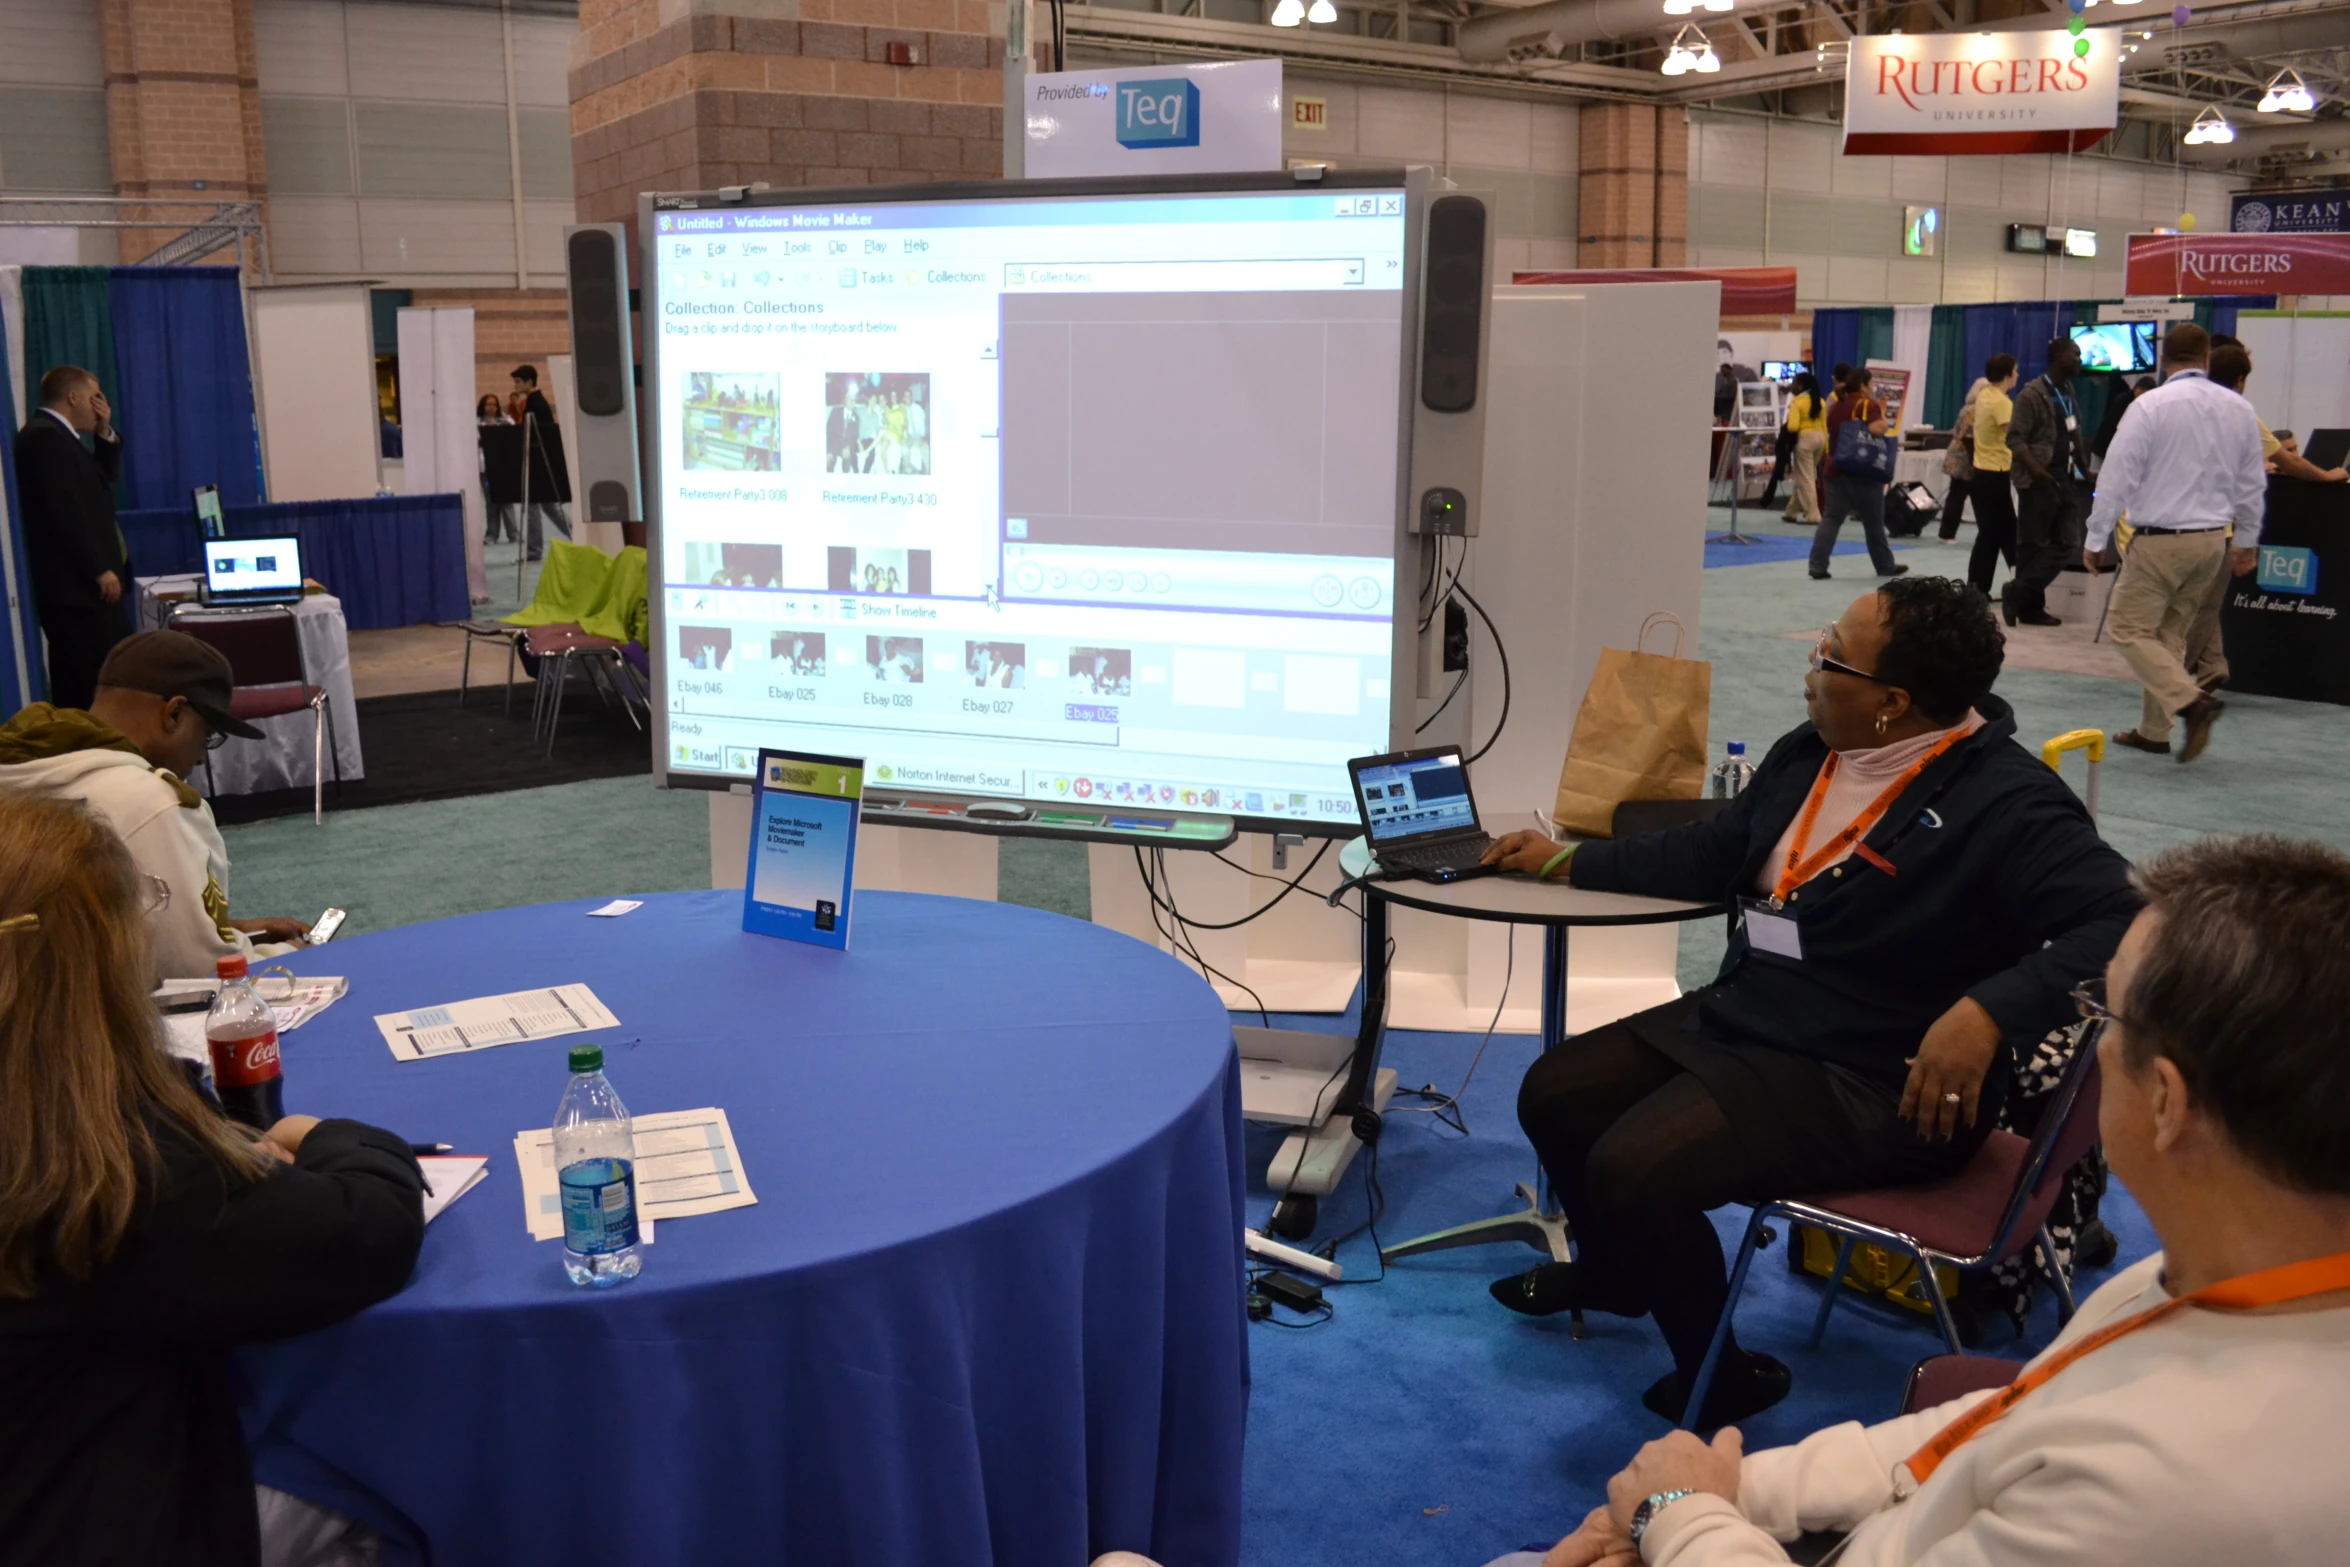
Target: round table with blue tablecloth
(987, 1308)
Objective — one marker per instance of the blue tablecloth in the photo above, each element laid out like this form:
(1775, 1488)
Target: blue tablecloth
(987, 1308)
(395, 560)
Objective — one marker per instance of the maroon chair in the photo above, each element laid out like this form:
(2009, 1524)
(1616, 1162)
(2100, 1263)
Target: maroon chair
(1992, 1210)
(554, 647)
(264, 653)
(1938, 1379)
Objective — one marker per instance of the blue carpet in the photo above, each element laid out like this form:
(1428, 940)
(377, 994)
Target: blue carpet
(1424, 1424)
(1759, 548)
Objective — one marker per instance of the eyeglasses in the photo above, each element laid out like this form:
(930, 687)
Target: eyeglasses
(1821, 661)
(2089, 996)
(154, 894)
(216, 739)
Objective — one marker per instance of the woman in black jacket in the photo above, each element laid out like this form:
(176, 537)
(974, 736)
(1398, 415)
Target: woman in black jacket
(1916, 893)
(142, 1235)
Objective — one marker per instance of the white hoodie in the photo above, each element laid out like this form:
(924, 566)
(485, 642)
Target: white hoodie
(180, 844)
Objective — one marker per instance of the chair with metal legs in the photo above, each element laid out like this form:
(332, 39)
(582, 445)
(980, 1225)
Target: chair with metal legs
(1992, 1210)
(264, 653)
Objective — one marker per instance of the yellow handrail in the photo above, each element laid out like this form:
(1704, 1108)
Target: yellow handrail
(2090, 740)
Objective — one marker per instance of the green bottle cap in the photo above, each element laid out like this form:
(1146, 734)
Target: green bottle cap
(587, 1058)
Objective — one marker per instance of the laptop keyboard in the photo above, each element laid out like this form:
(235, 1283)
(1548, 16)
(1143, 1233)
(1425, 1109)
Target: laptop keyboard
(1458, 854)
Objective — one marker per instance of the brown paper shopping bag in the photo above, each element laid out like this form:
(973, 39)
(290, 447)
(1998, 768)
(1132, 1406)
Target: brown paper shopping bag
(1639, 736)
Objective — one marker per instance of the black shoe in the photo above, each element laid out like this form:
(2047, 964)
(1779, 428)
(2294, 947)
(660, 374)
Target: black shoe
(2038, 617)
(2198, 720)
(1819, 576)
(1899, 570)
(1553, 1287)
(2007, 610)
(1745, 1384)
(2095, 1247)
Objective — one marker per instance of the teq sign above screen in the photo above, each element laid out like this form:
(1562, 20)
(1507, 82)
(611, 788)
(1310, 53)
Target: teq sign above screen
(1156, 119)
(1980, 93)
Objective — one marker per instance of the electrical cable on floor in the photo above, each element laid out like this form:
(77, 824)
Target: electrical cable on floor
(1439, 1104)
(1501, 652)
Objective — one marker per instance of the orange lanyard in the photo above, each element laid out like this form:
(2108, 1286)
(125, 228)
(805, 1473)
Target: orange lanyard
(2270, 1287)
(1800, 870)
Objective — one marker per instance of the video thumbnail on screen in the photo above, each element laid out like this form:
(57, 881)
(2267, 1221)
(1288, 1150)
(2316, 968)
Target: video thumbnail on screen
(876, 423)
(730, 422)
(704, 647)
(802, 652)
(896, 660)
(734, 565)
(1101, 671)
(1002, 666)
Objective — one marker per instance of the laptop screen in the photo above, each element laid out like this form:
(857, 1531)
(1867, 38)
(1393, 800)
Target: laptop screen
(251, 568)
(1417, 796)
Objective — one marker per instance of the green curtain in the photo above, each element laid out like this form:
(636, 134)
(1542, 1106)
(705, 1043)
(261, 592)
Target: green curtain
(69, 320)
(1876, 336)
(1946, 372)
(2091, 390)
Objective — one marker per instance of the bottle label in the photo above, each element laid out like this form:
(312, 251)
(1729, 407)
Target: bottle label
(599, 1206)
(245, 1063)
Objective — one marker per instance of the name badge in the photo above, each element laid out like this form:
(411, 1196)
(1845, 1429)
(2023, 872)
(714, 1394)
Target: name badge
(1769, 931)
(2071, 423)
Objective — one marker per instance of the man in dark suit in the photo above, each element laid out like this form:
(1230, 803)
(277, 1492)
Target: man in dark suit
(528, 402)
(81, 569)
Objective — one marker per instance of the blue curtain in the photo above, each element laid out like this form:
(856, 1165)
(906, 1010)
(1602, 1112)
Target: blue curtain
(186, 400)
(1835, 340)
(393, 560)
(23, 677)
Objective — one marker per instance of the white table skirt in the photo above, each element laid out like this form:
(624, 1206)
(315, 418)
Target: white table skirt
(280, 759)
(1926, 468)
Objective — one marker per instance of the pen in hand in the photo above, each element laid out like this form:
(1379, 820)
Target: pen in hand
(422, 1149)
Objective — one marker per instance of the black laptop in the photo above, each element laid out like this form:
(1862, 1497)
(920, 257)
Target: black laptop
(1419, 814)
(2327, 448)
(252, 571)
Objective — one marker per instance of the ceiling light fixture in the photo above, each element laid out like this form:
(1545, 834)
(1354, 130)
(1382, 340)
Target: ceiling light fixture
(2211, 129)
(1322, 14)
(1691, 52)
(2288, 93)
(1289, 13)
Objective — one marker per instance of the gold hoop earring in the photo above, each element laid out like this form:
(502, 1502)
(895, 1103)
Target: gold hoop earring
(1880, 726)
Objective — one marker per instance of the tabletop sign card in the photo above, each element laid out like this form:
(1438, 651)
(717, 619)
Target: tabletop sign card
(803, 847)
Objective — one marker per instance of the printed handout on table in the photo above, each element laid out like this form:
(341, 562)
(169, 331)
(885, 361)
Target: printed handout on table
(448, 1177)
(686, 1164)
(478, 1024)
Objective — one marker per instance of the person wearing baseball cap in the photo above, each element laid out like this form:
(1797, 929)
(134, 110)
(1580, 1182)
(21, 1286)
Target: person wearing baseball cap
(163, 700)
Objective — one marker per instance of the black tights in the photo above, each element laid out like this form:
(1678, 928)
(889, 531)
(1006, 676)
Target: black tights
(1638, 1152)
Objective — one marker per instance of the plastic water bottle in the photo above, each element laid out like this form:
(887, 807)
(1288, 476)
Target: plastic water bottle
(241, 1031)
(1732, 773)
(595, 1170)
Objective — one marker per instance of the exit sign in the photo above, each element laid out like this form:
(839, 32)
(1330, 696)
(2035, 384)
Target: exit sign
(1309, 114)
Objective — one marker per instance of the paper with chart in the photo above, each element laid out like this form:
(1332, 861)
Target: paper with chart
(478, 1024)
(686, 1164)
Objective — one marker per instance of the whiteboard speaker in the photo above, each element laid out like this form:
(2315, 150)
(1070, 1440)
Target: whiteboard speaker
(1448, 414)
(595, 257)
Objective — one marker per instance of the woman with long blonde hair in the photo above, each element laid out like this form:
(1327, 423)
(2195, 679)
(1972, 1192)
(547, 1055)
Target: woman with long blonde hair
(143, 1234)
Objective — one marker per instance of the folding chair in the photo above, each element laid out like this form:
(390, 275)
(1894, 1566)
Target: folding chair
(487, 631)
(264, 652)
(1990, 1211)
(601, 657)
(1938, 1379)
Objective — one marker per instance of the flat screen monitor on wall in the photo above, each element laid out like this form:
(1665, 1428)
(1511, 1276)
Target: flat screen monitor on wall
(2126, 346)
(1070, 490)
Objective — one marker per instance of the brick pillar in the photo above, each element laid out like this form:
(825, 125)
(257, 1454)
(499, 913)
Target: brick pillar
(183, 106)
(1634, 206)
(793, 92)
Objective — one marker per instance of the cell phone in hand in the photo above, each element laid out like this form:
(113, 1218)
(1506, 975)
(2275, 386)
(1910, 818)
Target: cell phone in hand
(328, 923)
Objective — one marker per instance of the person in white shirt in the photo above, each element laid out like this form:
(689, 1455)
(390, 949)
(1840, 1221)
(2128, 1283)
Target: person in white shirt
(2185, 464)
(2191, 1413)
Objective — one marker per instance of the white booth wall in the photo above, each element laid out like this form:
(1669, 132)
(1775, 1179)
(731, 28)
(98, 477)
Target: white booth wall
(314, 389)
(2300, 370)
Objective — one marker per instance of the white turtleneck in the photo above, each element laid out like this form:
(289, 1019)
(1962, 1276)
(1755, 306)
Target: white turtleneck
(1860, 777)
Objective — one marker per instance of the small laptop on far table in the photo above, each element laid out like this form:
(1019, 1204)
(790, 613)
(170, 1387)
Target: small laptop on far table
(1419, 815)
(244, 572)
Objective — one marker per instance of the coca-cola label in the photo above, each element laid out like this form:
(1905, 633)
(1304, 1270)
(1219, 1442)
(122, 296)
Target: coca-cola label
(242, 1063)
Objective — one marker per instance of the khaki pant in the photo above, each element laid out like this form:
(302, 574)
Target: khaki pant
(1803, 476)
(2205, 654)
(2166, 580)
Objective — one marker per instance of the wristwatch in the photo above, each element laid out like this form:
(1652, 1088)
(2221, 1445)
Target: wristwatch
(1645, 1513)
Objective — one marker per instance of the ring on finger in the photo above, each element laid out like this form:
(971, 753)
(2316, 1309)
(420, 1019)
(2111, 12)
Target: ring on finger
(1952, 1099)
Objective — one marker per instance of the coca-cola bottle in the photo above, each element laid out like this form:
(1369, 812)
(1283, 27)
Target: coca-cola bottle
(242, 1032)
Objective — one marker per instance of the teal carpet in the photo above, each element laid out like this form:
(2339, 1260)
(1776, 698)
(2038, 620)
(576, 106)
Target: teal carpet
(1422, 1424)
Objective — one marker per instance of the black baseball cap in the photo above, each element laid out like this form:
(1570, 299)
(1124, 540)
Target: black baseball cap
(172, 663)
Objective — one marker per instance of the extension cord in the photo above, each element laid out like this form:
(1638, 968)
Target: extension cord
(1276, 1252)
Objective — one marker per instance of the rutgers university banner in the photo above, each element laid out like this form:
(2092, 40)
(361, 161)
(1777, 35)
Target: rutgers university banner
(2172, 264)
(1981, 93)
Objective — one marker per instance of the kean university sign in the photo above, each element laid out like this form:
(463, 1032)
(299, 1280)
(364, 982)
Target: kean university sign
(1981, 93)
